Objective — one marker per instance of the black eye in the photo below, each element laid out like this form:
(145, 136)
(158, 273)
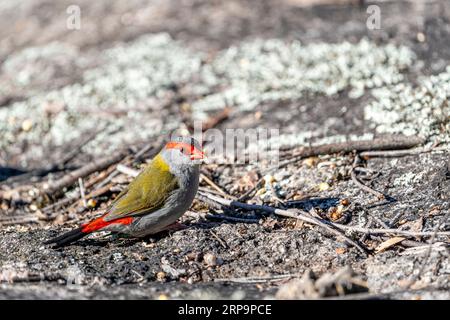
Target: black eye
(182, 150)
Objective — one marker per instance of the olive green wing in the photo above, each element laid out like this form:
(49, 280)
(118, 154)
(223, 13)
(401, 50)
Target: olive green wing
(146, 193)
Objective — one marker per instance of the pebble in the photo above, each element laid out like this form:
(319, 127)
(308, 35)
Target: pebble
(210, 259)
(161, 276)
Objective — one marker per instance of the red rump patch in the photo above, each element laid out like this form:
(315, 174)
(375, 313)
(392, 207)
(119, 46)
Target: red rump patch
(99, 223)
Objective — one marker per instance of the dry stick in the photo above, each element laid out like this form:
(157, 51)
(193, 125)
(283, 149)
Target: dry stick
(215, 186)
(216, 119)
(322, 224)
(291, 214)
(428, 252)
(386, 143)
(84, 171)
(18, 220)
(278, 277)
(297, 214)
(205, 189)
(100, 177)
(60, 203)
(127, 170)
(407, 243)
(222, 242)
(247, 194)
(60, 165)
(82, 193)
(361, 185)
(397, 153)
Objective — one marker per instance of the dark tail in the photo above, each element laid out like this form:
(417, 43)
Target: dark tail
(67, 238)
(85, 229)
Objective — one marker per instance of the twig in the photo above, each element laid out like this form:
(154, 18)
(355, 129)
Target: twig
(58, 204)
(215, 186)
(216, 119)
(385, 143)
(84, 171)
(5, 221)
(361, 185)
(208, 190)
(294, 213)
(82, 193)
(223, 243)
(258, 279)
(336, 232)
(246, 195)
(291, 214)
(428, 252)
(57, 166)
(368, 189)
(99, 177)
(127, 170)
(397, 153)
(155, 147)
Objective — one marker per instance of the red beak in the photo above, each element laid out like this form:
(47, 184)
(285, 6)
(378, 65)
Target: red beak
(197, 154)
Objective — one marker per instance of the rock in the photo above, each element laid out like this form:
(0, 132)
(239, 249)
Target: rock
(339, 283)
(211, 260)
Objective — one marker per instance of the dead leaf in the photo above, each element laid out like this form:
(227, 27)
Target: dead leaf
(323, 186)
(388, 243)
(311, 162)
(248, 181)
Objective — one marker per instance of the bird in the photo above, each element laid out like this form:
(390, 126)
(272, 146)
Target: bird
(154, 200)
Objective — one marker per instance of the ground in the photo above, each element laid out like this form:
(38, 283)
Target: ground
(316, 73)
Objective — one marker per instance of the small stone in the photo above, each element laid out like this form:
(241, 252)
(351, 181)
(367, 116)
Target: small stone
(421, 37)
(27, 124)
(261, 192)
(323, 186)
(269, 179)
(311, 161)
(193, 256)
(161, 276)
(210, 260)
(91, 203)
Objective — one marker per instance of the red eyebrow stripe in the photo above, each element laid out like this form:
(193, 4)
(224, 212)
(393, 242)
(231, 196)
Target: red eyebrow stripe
(187, 146)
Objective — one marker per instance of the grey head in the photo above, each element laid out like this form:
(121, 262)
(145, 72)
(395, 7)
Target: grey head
(182, 154)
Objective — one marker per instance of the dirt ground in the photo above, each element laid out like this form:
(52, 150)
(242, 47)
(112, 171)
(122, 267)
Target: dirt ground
(55, 91)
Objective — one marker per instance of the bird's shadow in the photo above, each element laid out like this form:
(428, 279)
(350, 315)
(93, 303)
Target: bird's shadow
(8, 172)
(310, 203)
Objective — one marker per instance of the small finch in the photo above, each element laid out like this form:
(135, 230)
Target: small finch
(154, 200)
